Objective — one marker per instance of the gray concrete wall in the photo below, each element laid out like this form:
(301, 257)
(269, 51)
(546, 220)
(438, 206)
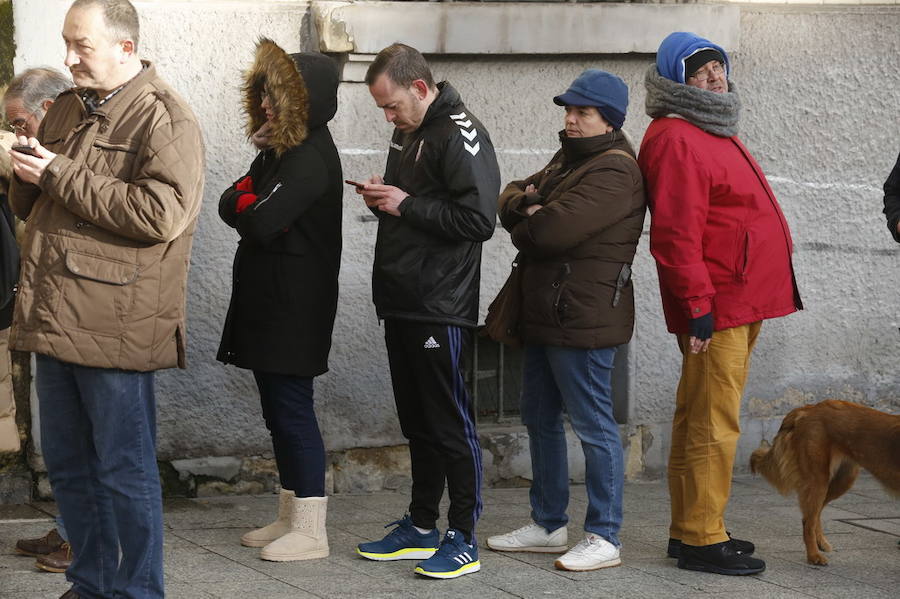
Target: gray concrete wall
(820, 87)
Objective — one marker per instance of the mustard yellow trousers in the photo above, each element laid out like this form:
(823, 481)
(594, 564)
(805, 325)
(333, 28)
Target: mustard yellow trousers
(705, 431)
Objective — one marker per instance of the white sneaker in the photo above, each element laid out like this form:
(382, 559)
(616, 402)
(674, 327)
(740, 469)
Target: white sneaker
(593, 553)
(531, 537)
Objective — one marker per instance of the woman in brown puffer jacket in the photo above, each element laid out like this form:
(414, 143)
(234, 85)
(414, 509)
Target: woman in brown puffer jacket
(576, 224)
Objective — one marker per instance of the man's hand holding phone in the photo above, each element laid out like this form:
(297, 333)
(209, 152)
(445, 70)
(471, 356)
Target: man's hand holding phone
(362, 188)
(379, 196)
(29, 159)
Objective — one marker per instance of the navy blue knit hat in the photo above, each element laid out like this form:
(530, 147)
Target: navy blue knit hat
(602, 90)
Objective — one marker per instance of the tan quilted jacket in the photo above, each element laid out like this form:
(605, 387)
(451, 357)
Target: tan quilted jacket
(109, 230)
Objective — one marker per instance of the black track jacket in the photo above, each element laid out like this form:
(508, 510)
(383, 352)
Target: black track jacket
(428, 260)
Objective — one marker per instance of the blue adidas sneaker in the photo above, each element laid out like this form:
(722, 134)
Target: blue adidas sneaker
(404, 542)
(453, 559)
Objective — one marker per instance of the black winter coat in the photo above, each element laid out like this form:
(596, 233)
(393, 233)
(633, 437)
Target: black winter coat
(285, 285)
(892, 200)
(428, 260)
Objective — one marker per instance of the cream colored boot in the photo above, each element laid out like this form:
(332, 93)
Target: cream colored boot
(282, 525)
(307, 538)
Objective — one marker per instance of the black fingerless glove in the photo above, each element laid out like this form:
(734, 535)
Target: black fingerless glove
(702, 326)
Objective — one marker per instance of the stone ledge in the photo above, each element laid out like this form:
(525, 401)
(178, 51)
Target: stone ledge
(817, 2)
(517, 28)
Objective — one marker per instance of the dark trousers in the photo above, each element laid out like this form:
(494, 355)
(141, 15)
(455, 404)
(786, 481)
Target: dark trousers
(438, 418)
(287, 405)
(98, 432)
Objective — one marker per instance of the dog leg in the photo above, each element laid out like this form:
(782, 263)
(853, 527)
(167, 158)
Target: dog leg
(811, 496)
(840, 483)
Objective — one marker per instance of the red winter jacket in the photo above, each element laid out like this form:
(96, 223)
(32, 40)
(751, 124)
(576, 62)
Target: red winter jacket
(719, 238)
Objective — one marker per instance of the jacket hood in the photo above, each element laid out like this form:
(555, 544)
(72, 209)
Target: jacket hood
(302, 88)
(446, 101)
(678, 47)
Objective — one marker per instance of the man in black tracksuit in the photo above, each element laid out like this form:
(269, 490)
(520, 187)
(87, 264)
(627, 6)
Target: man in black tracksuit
(436, 205)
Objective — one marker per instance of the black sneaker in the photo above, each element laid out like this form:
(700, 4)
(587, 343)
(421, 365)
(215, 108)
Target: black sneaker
(740, 547)
(719, 558)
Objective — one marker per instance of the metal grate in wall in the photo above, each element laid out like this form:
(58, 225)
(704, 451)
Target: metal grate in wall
(494, 377)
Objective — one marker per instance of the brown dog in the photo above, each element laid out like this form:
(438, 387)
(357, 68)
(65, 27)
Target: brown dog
(818, 452)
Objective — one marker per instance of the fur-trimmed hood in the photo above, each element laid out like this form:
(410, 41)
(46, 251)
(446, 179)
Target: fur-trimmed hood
(303, 90)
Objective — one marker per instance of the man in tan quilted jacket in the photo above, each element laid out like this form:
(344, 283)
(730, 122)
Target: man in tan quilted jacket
(110, 203)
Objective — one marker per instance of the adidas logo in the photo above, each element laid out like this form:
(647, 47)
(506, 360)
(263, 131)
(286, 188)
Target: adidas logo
(430, 343)
(463, 558)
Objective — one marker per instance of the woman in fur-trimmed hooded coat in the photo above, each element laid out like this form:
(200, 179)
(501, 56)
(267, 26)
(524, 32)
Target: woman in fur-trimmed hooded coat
(287, 211)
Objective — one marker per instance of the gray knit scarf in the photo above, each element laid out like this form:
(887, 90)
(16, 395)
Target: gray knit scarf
(714, 113)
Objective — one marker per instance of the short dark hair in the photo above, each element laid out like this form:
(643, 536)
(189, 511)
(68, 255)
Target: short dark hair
(33, 86)
(120, 16)
(403, 64)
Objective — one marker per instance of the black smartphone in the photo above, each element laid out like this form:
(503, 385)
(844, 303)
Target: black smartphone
(25, 150)
(354, 183)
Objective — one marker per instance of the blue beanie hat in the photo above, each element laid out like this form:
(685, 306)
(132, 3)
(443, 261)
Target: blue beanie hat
(602, 90)
(679, 47)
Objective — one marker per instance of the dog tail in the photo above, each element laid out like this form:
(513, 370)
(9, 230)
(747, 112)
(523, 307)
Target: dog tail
(759, 456)
(778, 464)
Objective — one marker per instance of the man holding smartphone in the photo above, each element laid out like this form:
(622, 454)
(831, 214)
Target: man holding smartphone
(435, 205)
(110, 204)
(28, 97)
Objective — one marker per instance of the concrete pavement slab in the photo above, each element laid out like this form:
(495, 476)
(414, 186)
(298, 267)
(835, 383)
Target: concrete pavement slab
(204, 559)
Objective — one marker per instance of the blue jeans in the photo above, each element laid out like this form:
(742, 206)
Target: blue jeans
(61, 529)
(98, 433)
(579, 380)
(287, 406)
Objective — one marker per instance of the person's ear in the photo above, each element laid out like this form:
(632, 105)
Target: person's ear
(127, 47)
(46, 104)
(420, 88)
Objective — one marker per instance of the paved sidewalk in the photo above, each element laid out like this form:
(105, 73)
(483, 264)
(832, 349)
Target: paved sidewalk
(204, 558)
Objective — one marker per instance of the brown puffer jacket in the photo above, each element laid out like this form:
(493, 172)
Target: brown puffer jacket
(109, 230)
(576, 251)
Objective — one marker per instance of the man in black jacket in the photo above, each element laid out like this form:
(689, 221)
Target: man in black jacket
(892, 201)
(435, 205)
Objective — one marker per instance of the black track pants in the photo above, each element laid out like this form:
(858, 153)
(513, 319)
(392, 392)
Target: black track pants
(438, 418)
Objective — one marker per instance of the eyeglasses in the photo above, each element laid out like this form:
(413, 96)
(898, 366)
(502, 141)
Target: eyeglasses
(18, 126)
(716, 70)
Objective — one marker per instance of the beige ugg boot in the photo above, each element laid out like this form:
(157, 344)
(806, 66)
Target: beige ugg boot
(307, 538)
(282, 525)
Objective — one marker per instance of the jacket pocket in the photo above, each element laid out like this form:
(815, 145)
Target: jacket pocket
(560, 297)
(622, 282)
(742, 257)
(97, 293)
(116, 158)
